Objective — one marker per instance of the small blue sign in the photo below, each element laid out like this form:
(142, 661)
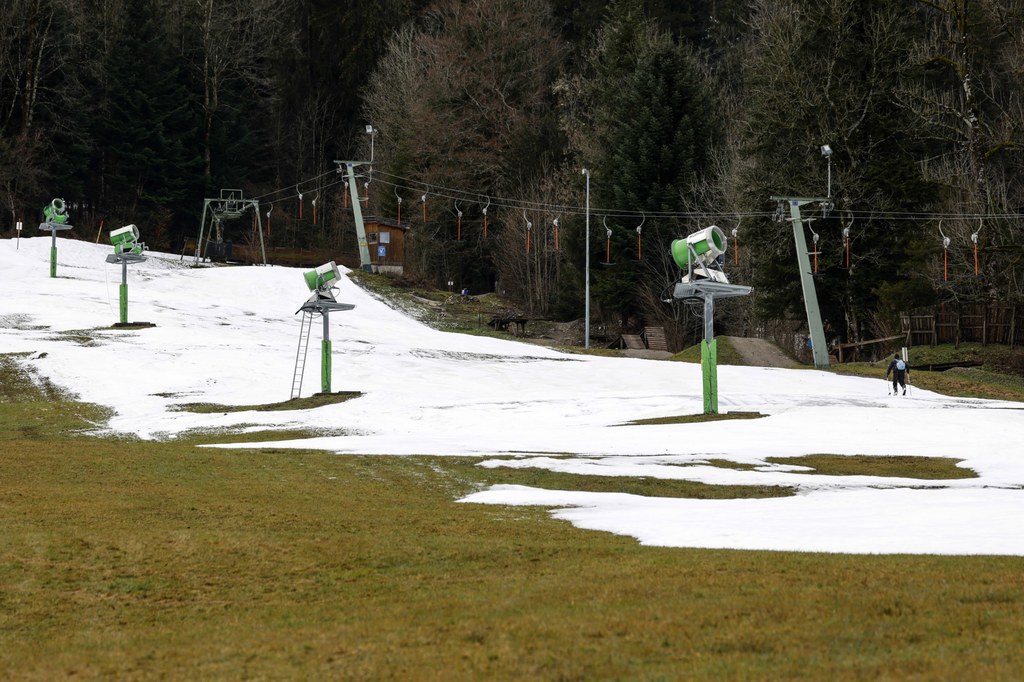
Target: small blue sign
(382, 251)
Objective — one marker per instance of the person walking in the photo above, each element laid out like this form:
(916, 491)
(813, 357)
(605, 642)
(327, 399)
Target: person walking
(900, 371)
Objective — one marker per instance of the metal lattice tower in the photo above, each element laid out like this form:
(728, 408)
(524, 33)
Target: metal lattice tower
(230, 205)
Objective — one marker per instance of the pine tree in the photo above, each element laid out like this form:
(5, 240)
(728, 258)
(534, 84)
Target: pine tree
(829, 73)
(148, 141)
(654, 125)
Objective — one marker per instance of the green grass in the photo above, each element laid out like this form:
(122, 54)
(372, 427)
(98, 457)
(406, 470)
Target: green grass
(726, 353)
(239, 435)
(929, 468)
(313, 401)
(129, 559)
(444, 310)
(133, 560)
(468, 470)
(694, 418)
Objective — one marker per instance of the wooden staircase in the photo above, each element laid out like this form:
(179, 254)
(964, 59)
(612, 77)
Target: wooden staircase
(655, 338)
(633, 341)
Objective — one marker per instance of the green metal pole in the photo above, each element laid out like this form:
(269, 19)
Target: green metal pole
(325, 358)
(709, 357)
(259, 224)
(709, 372)
(357, 214)
(325, 366)
(124, 304)
(53, 253)
(124, 292)
(819, 347)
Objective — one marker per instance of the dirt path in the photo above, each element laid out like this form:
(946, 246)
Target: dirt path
(760, 353)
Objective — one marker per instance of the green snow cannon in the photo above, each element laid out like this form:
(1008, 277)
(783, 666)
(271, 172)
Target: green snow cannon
(708, 244)
(55, 212)
(320, 279)
(126, 240)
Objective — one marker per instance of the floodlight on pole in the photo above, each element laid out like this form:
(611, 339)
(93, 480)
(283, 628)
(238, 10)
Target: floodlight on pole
(586, 342)
(826, 151)
(372, 132)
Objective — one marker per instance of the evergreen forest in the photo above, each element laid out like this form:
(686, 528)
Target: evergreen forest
(482, 115)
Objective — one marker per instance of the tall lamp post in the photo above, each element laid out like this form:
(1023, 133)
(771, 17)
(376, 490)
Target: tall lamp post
(826, 151)
(372, 132)
(586, 338)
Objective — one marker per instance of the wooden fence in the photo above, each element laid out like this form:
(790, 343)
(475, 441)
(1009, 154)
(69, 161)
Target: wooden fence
(958, 323)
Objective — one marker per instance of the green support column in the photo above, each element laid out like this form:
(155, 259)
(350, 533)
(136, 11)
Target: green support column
(325, 366)
(53, 261)
(819, 347)
(709, 372)
(357, 215)
(124, 303)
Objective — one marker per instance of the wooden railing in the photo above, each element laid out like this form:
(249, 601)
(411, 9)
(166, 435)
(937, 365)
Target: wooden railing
(957, 323)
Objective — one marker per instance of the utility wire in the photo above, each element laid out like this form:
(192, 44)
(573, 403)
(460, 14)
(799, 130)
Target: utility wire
(419, 187)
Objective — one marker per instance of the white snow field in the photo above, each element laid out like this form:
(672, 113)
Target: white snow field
(228, 335)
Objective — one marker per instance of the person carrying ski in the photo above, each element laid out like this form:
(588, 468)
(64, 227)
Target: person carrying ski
(899, 371)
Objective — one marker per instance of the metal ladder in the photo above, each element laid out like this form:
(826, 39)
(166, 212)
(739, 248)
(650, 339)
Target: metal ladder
(300, 354)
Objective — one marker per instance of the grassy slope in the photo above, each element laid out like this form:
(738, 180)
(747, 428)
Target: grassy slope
(142, 560)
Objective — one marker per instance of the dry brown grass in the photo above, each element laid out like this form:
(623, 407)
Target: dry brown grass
(138, 560)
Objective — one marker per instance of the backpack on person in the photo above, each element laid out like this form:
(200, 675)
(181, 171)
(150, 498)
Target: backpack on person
(900, 365)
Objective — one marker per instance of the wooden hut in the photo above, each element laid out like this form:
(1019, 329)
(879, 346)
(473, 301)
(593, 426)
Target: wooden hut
(386, 240)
